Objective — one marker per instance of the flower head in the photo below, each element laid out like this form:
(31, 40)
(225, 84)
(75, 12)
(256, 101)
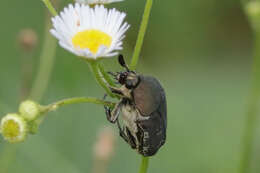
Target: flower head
(90, 2)
(90, 32)
(29, 110)
(13, 128)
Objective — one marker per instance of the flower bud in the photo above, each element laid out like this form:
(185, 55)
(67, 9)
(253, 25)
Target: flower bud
(13, 128)
(27, 39)
(29, 110)
(104, 147)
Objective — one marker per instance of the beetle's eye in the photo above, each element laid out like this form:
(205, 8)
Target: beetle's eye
(132, 82)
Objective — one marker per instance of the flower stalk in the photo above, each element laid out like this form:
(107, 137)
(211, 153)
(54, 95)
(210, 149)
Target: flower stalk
(144, 165)
(75, 100)
(141, 34)
(99, 77)
(106, 76)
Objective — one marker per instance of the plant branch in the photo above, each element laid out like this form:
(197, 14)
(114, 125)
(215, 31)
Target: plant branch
(75, 100)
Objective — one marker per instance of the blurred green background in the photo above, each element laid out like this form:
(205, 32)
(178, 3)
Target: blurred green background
(201, 52)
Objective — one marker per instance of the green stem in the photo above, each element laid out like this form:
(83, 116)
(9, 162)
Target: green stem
(50, 7)
(253, 110)
(141, 34)
(106, 76)
(46, 64)
(144, 165)
(95, 69)
(75, 100)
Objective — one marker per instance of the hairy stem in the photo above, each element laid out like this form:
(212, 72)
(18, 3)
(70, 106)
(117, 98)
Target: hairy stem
(75, 100)
(106, 76)
(95, 69)
(141, 34)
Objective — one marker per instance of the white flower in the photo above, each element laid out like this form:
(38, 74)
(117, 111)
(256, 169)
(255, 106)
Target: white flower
(13, 128)
(90, 32)
(90, 2)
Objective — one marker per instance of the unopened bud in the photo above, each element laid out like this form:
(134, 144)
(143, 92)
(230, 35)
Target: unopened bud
(104, 147)
(27, 39)
(13, 128)
(29, 110)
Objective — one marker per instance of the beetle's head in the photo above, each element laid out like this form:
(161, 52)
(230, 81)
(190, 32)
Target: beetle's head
(128, 78)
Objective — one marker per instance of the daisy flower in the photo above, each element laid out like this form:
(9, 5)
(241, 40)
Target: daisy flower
(13, 128)
(90, 32)
(91, 2)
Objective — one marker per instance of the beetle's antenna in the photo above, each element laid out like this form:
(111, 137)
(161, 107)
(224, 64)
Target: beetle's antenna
(121, 61)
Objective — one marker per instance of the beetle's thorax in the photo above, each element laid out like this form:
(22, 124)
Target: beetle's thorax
(127, 93)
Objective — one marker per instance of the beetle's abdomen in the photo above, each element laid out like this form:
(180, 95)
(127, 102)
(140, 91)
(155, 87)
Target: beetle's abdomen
(129, 115)
(151, 134)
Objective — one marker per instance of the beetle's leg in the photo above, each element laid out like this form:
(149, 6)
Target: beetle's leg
(107, 110)
(123, 133)
(112, 116)
(131, 139)
(116, 90)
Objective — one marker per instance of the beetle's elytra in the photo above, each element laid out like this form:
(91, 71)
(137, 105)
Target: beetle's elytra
(143, 109)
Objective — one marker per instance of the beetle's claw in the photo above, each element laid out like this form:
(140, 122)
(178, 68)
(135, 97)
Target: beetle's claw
(108, 114)
(116, 90)
(105, 96)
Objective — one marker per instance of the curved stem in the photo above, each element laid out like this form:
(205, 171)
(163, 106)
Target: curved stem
(144, 165)
(141, 34)
(106, 76)
(75, 100)
(95, 69)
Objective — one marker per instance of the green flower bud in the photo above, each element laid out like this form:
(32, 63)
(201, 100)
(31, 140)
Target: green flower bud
(13, 128)
(29, 110)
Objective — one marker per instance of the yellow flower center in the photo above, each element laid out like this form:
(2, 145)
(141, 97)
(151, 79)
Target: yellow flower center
(91, 39)
(10, 129)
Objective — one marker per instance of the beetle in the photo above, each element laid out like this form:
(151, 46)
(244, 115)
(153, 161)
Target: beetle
(143, 108)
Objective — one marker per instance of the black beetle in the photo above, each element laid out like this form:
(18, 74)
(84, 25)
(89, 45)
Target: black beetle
(143, 108)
